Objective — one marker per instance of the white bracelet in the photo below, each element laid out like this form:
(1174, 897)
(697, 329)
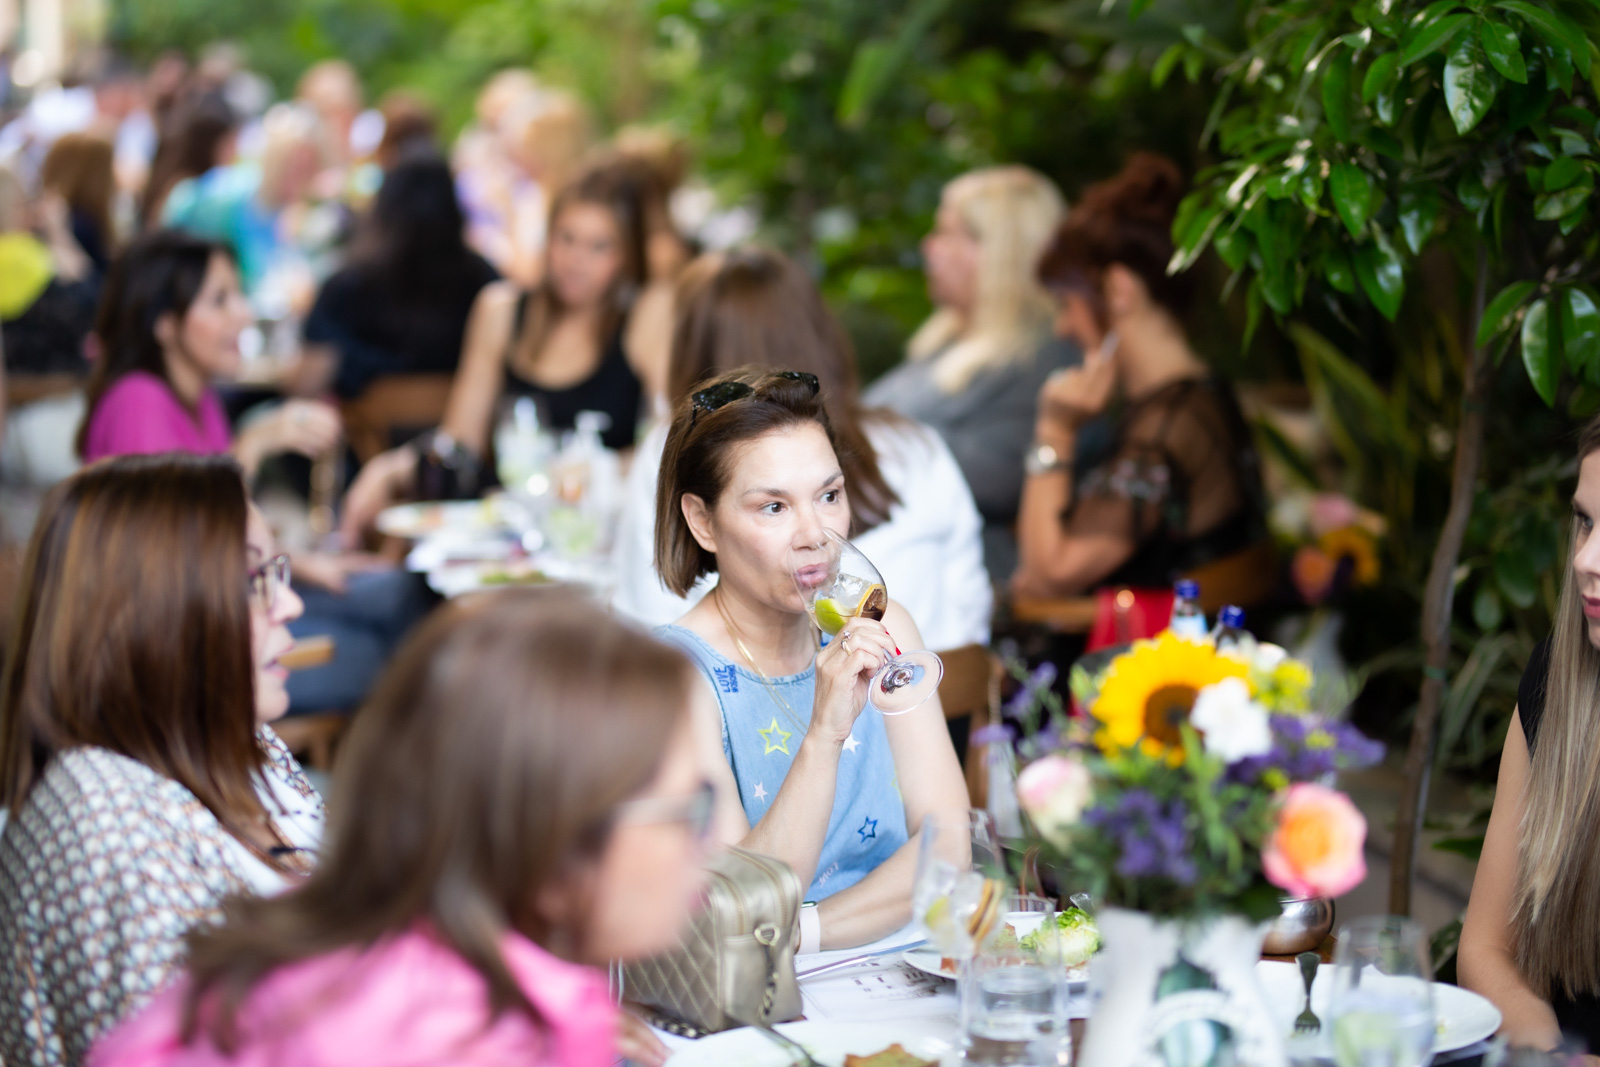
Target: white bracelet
(810, 928)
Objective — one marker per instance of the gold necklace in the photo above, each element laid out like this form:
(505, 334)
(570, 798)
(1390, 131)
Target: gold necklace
(766, 682)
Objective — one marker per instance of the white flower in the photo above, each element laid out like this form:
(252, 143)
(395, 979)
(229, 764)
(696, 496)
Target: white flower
(1233, 725)
(1054, 791)
(1268, 656)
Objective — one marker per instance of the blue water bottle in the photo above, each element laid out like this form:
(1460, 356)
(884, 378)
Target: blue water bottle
(1229, 635)
(1188, 621)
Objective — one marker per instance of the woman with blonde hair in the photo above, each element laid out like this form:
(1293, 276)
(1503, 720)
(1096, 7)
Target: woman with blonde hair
(975, 367)
(1529, 940)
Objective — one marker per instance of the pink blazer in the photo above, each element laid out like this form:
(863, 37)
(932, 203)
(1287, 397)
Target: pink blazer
(408, 1002)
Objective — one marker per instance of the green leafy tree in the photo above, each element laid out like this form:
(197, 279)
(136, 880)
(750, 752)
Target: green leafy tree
(1365, 149)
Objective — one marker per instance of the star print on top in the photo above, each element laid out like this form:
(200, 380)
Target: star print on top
(760, 740)
(782, 735)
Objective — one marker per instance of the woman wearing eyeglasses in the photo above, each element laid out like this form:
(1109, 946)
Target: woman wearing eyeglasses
(750, 474)
(520, 803)
(142, 783)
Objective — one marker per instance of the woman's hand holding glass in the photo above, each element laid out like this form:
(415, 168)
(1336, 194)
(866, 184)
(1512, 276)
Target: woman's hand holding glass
(845, 670)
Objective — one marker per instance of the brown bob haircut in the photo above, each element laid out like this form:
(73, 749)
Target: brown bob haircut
(1125, 219)
(132, 631)
(699, 449)
(487, 765)
(754, 307)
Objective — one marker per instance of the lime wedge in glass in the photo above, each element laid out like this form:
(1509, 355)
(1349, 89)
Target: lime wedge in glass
(829, 618)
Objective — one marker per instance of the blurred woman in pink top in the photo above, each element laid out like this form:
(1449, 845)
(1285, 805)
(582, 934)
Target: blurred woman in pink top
(519, 803)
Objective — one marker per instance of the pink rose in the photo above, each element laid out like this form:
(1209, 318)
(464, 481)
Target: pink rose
(1054, 791)
(1316, 848)
(1330, 511)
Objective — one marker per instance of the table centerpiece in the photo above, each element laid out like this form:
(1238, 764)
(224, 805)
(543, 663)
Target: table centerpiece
(1194, 791)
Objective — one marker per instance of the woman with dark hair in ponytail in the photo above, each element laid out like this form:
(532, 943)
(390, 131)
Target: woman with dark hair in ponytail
(1181, 485)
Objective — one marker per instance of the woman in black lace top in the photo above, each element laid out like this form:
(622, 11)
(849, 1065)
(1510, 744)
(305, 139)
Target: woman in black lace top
(1179, 485)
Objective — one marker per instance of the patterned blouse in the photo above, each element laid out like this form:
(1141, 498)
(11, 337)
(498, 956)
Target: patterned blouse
(103, 871)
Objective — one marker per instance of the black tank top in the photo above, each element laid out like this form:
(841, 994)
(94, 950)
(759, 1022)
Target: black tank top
(613, 388)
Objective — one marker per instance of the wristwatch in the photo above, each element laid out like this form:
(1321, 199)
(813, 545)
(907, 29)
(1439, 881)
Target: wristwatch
(1044, 459)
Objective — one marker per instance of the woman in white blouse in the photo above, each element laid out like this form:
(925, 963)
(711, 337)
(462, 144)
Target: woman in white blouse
(143, 783)
(912, 511)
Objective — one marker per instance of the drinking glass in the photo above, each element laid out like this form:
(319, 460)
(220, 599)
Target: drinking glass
(837, 583)
(1014, 993)
(957, 894)
(1381, 1007)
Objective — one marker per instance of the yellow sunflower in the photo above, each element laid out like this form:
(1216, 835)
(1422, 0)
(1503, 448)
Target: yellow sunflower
(1150, 691)
(1358, 546)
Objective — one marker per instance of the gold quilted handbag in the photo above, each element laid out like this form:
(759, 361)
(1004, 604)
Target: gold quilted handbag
(735, 963)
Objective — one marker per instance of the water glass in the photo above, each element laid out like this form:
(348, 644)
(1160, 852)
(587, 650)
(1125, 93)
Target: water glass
(1381, 1007)
(1014, 999)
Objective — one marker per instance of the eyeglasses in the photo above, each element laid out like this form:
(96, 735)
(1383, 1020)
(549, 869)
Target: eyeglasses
(694, 811)
(713, 397)
(267, 580)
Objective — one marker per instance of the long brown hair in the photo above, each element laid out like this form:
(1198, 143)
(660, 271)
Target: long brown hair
(699, 450)
(623, 192)
(754, 307)
(487, 765)
(79, 167)
(1556, 917)
(132, 632)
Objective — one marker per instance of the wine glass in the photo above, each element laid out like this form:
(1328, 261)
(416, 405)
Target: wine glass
(837, 583)
(1381, 1007)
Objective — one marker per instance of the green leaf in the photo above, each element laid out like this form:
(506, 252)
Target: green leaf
(1336, 94)
(1562, 33)
(1382, 277)
(1336, 268)
(1499, 314)
(877, 62)
(1504, 50)
(1351, 187)
(1470, 847)
(1562, 174)
(1419, 209)
(1379, 87)
(1469, 84)
(1471, 192)
(1514, 573)
(1552, 206)
(1486, 609)
(1536, 355)
(1197, 234)
(1432, 37)
(1163, 66)
(1580, 330)
(1233, 245)
(1574, 220)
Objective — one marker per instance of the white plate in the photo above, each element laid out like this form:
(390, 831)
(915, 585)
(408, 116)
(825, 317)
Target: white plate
(828, 1042)
(929, 961)
(457, 579)
(1463, 1016)
(421, 519)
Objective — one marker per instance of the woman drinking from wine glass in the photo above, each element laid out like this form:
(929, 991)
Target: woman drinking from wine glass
(1532, 926)
(520, 803)
(807, 772)
(142, 782)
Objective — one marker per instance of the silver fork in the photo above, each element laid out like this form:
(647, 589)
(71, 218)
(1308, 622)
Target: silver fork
(788, 1044)
(1307, 1021)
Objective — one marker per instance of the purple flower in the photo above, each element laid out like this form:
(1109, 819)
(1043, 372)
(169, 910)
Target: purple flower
(1305, 749)
(1151, 836)
(1038, 682)
(994, 734)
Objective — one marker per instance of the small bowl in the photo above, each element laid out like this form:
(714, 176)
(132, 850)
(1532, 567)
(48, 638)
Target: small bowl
(1305, 923)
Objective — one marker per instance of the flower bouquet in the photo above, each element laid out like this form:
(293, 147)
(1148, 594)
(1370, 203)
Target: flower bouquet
(1194, 795)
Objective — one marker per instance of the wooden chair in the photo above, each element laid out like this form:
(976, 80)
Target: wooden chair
(1247, 578)
(394, 404)
(971, 688)
(312, 738)
(24, 389)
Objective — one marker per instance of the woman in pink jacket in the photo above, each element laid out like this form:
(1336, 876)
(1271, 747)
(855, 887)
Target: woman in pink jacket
(518, 804)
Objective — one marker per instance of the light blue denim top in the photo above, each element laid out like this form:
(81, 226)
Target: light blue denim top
(760, 739)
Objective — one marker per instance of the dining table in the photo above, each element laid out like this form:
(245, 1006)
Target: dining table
(878, 992)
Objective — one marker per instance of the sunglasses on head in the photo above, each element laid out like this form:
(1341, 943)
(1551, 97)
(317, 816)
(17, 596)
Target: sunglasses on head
(713, 397)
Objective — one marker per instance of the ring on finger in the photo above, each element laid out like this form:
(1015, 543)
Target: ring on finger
(845, 640)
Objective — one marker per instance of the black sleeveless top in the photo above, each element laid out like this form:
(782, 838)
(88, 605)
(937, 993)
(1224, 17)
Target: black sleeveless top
(613, 388)
(1578, 1015)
